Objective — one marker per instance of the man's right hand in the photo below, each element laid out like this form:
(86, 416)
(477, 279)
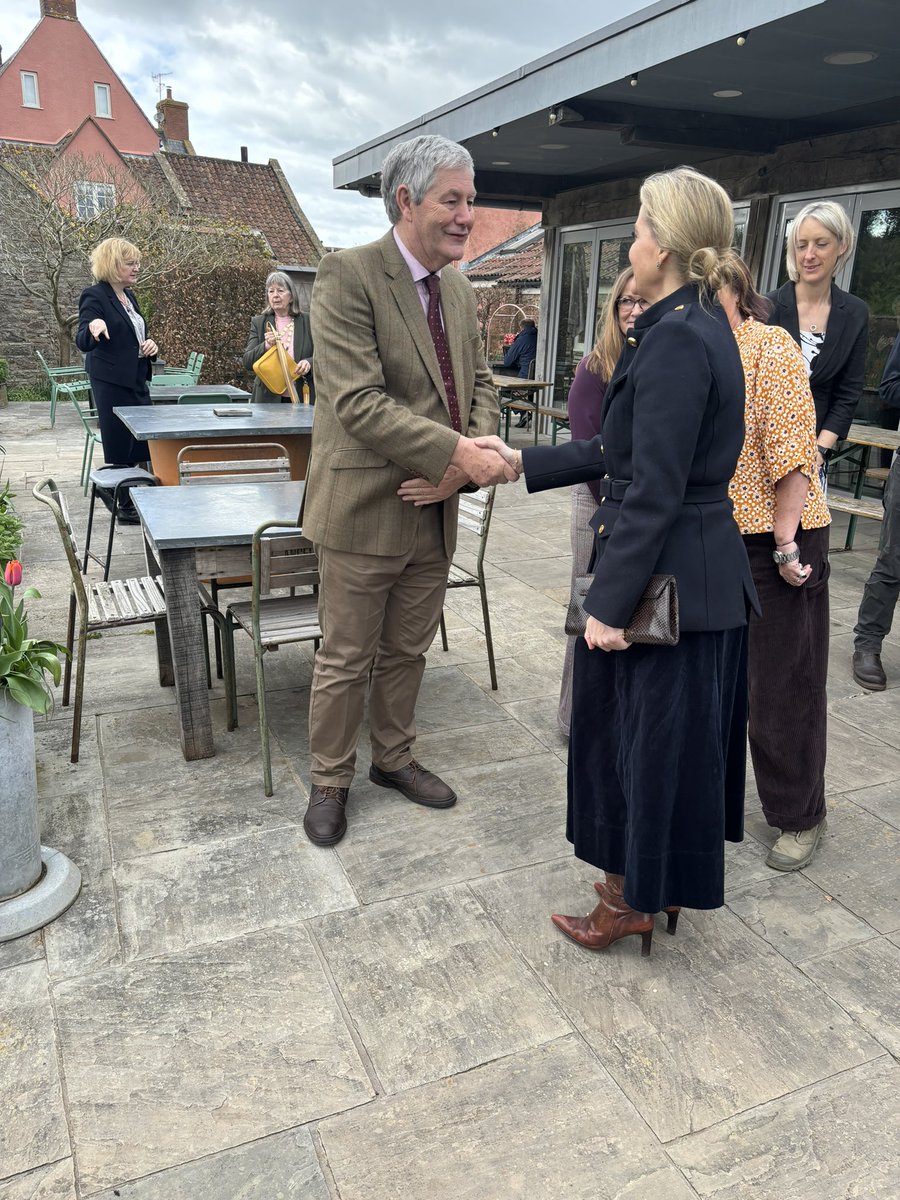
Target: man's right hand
(482, 465)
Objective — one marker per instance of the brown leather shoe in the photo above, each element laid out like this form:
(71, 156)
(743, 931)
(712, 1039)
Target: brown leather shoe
(611, 920)
(416, 784)
(326, 820)
(602, 886)
(868, 671)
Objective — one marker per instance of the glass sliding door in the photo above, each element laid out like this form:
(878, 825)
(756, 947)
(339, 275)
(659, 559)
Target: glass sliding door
(874, 276)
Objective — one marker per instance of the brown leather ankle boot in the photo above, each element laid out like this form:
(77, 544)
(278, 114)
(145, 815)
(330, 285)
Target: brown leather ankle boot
(611, 920)
(610, 885)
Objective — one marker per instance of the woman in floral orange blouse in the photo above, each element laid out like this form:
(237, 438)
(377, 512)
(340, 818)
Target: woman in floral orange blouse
(781, 511)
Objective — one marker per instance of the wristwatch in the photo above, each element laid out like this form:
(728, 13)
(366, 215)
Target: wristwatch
(825, 451)
(780, 557)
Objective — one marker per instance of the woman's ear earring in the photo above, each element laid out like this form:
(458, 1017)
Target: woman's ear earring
(659, 264)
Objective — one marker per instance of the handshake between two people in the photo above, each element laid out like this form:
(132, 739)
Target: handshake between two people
(482, 461)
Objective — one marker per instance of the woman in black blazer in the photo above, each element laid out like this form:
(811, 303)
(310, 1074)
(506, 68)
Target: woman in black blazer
(830, 326)
(658, 734)
(117, 352)
(283, 311)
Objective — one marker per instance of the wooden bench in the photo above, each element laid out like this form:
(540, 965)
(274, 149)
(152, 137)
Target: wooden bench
(857, 506)
(555, 413)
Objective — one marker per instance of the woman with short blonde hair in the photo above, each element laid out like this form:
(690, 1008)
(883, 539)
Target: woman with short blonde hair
(118, 354)
(830, 326)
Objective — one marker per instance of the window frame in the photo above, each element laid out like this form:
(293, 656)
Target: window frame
(87, 197)
(32, 75)
(98, 88)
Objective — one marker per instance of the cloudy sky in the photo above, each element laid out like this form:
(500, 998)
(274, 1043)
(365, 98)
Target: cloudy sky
(304, 81)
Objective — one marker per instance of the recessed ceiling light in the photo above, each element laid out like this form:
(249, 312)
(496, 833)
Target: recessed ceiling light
(554, 146)
(500, 162)
(728, 93)
(850, 58)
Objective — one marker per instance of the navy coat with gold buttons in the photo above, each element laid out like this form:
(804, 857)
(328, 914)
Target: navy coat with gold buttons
(673, 427)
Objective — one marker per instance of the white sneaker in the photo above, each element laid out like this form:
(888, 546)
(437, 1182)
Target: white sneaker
(793, 851)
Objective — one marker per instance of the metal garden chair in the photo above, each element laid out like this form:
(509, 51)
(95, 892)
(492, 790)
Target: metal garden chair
(475, 510)
(79, 392)
(283, 560)
(56, 376)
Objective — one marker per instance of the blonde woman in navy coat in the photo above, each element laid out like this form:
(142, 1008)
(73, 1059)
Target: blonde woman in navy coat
(658, 737)
(118, 354)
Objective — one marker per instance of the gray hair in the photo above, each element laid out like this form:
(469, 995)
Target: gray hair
(416, 164)
(835, 219)
(285, 280)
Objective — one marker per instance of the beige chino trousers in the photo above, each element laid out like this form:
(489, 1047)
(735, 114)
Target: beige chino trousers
(379, 614)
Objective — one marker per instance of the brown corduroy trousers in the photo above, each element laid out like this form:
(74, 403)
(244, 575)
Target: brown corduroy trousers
(787, 670)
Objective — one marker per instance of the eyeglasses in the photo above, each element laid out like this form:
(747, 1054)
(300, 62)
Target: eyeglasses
(632, 302)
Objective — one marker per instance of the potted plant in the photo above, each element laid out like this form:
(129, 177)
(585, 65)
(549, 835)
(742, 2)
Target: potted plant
(36, 883)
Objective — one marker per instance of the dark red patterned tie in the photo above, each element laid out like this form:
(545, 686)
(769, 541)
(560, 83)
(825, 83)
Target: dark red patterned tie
(443, 350)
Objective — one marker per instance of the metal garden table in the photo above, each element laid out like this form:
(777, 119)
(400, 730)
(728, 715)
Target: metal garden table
(201, 532)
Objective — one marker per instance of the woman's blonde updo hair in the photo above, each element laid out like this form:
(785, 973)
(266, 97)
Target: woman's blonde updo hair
(110, 256)
(690, 216)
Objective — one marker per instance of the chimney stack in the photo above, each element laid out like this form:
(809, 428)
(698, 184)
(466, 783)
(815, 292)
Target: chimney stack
(64, 9)
(172, 119)
(245, 157)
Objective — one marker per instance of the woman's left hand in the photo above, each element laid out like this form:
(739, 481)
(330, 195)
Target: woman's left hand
(794, 573)
(303, 367)
(604, 637)
(149, 348)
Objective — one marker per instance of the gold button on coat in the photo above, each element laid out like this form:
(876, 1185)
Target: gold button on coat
(632, 341)
(600, 529)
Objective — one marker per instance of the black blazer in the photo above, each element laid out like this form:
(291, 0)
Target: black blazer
(256, 348)
(839, 368)
(673, 427)
(116, 360)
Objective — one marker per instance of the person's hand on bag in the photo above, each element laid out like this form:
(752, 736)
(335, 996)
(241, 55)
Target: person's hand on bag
(302, 368)
(604, 637)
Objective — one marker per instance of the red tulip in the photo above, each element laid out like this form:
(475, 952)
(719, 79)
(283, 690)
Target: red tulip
(13, 572)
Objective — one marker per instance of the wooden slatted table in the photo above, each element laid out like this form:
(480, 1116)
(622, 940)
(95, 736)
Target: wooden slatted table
(861, 440)
(206, 532)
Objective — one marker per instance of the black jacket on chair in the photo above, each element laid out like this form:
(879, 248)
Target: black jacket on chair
(673, 428)
(115, 360)
(838, 372)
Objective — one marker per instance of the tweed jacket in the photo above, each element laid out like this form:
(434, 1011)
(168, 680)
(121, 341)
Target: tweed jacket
(114, 359)
(256, 348)
(673, 427)
(838, 371)
(381, 409)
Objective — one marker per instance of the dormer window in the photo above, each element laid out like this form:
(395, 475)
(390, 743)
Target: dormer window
(31, 97)
(102, 100)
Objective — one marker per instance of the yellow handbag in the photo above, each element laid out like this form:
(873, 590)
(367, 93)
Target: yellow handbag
(276, 369)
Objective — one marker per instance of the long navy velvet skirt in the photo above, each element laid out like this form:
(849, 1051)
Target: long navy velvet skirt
(119, 446)
(657, 763)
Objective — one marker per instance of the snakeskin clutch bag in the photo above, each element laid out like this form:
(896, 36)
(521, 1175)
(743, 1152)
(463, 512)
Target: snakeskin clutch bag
(654, 621)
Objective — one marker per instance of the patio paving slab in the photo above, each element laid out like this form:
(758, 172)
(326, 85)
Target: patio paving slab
(281, 1167)
(865, 981)
(508, 813)
(433, 988)
(695, 1033)
(33, 1127)
(796, 917)
(832, 1141)
(218, 890)
(539, 1125)
(53, 1182)
(178, 1057)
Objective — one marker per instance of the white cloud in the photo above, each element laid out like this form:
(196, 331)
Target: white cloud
(305, 82)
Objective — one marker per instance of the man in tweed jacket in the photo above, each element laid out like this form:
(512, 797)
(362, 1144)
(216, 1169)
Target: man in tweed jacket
(402, 392)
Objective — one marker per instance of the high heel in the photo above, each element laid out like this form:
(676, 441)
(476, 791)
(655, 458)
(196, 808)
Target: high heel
(611, 920)
(602, 887)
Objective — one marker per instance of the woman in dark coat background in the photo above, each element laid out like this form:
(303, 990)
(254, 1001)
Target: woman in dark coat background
(118, 354)
(283, 311)
(830, 326)
(584, 404)
(658, 739)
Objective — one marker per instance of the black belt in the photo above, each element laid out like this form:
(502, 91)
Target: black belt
(615, 489)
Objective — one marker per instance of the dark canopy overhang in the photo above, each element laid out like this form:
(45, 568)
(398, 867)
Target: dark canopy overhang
(573, 118)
